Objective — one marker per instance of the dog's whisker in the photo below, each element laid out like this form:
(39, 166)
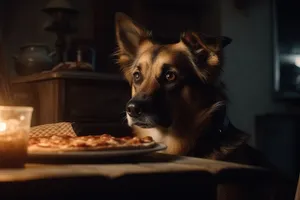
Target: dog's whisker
(124, 120)
(124, 117)
(123, 112)
(149, 121)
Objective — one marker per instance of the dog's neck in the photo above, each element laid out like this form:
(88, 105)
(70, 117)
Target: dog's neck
(217, 139)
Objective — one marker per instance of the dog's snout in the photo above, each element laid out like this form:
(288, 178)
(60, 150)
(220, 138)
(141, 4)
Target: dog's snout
(139, 105)
(134, 109)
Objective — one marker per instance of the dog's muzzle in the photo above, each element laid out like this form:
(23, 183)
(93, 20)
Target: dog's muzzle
(139, 113)
(134, 109)
(146, 112)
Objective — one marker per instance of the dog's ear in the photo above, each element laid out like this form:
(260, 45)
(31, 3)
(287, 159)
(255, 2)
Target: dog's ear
(204, 46)
(129, 35)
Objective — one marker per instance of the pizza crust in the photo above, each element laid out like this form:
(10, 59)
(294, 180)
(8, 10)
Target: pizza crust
(36, 148)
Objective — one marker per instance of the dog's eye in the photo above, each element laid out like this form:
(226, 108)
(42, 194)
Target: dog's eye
(170, 76)
(137, 76)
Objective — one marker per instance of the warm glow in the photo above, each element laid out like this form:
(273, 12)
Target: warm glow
(2, 126)
(297, 61)
(22, 117)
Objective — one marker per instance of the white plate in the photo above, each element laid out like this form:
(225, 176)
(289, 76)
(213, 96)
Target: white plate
(96, 154)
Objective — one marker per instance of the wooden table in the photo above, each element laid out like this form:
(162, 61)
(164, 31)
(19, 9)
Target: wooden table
(150, 176)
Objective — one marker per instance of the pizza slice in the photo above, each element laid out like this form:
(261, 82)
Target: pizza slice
(103, 142)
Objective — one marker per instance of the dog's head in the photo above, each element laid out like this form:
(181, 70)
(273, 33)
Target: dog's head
(168, 81)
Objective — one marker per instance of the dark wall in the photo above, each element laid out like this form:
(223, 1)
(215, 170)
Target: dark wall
(164, 18)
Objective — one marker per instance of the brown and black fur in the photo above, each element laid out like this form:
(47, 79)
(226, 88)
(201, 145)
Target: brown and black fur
(186, 112)
(190, 105)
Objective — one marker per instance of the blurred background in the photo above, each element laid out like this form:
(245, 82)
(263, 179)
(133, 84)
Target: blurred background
(261, 65)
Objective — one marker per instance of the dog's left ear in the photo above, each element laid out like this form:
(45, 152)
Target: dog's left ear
(205, 46)
(129, 35)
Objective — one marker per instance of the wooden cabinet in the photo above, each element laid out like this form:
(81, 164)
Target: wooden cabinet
(95, 101)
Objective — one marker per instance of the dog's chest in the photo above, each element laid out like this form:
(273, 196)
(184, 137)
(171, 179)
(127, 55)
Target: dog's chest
(174, 144)
(156, 134)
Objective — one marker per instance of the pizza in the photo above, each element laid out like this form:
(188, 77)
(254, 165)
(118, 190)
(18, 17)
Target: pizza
(88, 143)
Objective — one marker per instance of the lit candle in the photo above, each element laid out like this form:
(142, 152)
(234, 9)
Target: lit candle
(14, 129)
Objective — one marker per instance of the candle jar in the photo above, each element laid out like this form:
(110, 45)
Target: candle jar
(15, 125)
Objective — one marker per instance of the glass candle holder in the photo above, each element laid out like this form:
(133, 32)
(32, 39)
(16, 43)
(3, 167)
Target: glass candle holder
(15, 125)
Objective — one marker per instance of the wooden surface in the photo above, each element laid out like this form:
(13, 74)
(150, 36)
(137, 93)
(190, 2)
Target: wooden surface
(154, 174)
(158, 163)
(67, 75)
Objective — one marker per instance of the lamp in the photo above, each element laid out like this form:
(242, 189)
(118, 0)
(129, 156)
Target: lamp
(62, 14)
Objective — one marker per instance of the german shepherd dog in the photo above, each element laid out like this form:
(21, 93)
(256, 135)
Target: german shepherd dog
(177, 97)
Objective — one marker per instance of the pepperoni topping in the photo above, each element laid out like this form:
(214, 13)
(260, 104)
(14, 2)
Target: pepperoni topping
(89, 141)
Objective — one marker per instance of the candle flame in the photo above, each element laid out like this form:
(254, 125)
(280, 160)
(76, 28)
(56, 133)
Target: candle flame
(2, 126)
(22, 117)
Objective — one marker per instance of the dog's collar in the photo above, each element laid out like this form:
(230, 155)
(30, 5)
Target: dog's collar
(220, 139)
(225, 125)
(220, 122)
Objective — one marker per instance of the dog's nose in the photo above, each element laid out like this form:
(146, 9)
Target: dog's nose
(134, 109)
